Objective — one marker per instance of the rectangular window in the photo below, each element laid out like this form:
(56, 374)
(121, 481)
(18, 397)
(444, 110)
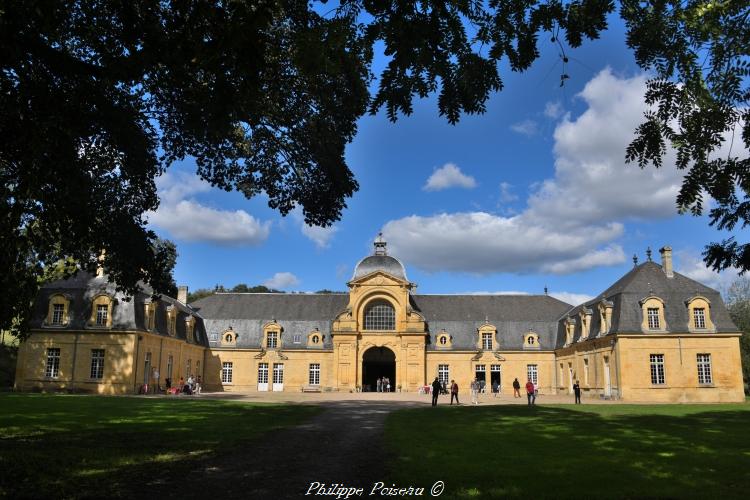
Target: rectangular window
(214, 337)
(97, 363)
(586, 371)
(704, 369)
(653, 318)
(532, 373)
(189, 368)
(657, 369)
(101, 314)
(487, 341)
(57, 314)
(226, 372)
(53, 362)
(699, 317)
(314, 378)
(262, 373)
(278, 373)
(443, 374)
(272, 340)
(297, 338)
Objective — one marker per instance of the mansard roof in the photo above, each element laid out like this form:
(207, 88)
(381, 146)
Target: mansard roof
(645, 280)
(127, 312)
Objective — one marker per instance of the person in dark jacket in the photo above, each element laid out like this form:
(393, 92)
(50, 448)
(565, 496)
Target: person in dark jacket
(516, 389)
(435, 391)
(577, 392)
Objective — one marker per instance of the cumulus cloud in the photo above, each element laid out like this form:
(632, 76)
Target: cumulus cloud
(189, 220)
(573, 220)
(573, 299)
(691, 265)
(321, 236)
(506, 194)
(448, 176)
(527, 127)
(553, 110)
(282, 281)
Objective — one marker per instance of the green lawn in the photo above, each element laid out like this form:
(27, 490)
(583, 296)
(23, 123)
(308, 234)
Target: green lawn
(60, 446)
(563, 451)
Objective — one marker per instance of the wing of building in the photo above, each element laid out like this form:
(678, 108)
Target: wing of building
(654, 335)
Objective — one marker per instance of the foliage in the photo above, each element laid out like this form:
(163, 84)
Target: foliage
(655, 451)
(700, 51)
(738, 303)
(94, 447)
(240, 288)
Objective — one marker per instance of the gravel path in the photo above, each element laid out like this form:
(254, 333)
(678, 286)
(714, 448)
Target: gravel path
(343, 444)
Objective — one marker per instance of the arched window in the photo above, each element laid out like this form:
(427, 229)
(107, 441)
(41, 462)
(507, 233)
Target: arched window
(380, 315)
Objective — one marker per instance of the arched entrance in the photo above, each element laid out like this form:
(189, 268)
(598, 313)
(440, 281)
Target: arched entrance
(378, 362)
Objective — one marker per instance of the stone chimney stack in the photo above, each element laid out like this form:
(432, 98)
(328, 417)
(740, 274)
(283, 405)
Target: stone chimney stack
(666, 261)
(182, 293)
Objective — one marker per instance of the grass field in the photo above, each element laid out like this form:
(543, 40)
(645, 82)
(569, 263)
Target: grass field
(596, 451)
(55, 446)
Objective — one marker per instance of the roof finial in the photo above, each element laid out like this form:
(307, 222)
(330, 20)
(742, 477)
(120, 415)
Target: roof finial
(380, 245)
(635, 260)
(648, 254)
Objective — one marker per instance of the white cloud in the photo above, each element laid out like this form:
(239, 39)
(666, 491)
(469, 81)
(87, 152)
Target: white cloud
(448, 176)
(187, 219)
(571, 298)
(506, 195)
(553, 110)
(573, 220)
(321, 236)
(691, 265)
(282, 281)
(501, 292)
(527, 127)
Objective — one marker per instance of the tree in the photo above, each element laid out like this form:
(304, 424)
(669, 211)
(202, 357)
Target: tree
(97, 98)
(738, 303)
(700, 51)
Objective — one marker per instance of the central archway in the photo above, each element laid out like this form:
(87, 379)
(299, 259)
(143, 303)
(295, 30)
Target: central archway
(378, 362)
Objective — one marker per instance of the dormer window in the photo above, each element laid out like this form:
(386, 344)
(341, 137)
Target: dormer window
(58, 314)
(190, 328)
(101, 312)
(531, 341)
(315, 339)
(171, 320)
(149, 311)
(585, 316)
(272, 340)
(443, 340)
(570, 328)
(699, 314)
(652, 309)
(486, 340)
(228, 338)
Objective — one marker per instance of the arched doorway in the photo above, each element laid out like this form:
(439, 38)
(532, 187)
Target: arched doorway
(378, 362)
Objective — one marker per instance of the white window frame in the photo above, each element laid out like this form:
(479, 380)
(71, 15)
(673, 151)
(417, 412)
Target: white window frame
(52, 367)
(444, 374)
(262, 373)
(278, 373)
(658, 373)
(272, 340)
(297, 339)
(227, 372)
(487, 341)
(102, 313)
(58, 314)
(699, 318)
(654, 322)
(97, 364)
(532, 373)
(705, 375)
(314, 374)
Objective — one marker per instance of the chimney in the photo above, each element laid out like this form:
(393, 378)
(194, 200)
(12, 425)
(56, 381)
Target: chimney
(182, 293)
(666, 261)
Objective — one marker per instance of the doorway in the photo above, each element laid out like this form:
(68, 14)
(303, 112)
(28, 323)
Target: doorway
(378, 362)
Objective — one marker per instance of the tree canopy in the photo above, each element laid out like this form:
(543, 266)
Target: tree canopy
(97, 98)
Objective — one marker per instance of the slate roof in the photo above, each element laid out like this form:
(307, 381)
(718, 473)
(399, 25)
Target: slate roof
(385, 263)
(127, 312)
(459, 315)
(640, 282)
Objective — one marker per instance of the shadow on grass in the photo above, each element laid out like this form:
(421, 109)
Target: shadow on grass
(596, 451)
(90, 446)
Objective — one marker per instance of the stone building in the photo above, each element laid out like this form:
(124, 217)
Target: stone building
(654, 335)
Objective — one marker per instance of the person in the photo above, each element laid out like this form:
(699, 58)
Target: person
(474, 391)
(454, 392)
(379, 385)
(435, 391)
(495, 388)
(530, 394)
(182, 384)
(516, 388)
(198, 383)
(387, 384)
(577, 392)
(191, 383)
(168, 382)
(157, 387)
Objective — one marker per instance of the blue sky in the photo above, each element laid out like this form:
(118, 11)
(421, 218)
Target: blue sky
(533, 193)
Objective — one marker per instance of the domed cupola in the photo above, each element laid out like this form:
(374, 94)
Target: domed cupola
(380, 261)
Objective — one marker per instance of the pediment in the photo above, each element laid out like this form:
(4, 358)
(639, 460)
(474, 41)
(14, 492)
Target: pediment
(379, 278)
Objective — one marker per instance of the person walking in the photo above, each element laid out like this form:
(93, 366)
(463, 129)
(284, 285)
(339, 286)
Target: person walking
(516, 388)
(495, 388)
(454, 392)
(577, 392)
(435, 391)
(530, 395)
(474, 391)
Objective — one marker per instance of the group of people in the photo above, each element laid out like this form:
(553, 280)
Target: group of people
(383, 384)
(439, 387)
(193, 385)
